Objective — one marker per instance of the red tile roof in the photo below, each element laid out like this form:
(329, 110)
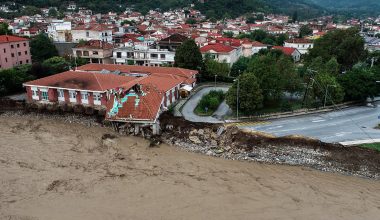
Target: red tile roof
(147, 107)
(10, 38)
(162, 83)
(286, 50)
(83, 81)
(258, 44)
(139, 69)
(219, 48)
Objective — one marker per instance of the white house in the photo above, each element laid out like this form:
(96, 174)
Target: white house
(301, 44)
(89, 32)
(222, 53)
(59, 30)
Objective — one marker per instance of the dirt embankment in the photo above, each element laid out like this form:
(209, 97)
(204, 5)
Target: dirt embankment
(233, 143)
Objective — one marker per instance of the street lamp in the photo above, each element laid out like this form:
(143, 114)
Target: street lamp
(327, 87)
(237, 98)
(215, 81)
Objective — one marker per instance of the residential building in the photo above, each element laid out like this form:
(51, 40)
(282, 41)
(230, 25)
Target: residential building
(171, 43)
(89, 32)
(292, 52)
(60, 31)
(95, 51)
(222, 53)
(301, 44)
(14, 51)
(135, 95)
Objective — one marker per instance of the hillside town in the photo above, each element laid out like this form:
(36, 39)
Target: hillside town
(151, 39)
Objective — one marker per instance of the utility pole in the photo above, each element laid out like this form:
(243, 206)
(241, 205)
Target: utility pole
(311, 79)
(237, 98)
(215, 81)
(327, 88)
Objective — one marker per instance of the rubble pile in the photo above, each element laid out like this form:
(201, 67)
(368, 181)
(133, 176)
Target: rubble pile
(236, 144)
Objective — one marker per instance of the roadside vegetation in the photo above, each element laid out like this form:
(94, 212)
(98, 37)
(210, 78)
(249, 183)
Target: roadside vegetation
(209, 103)
(374, 146)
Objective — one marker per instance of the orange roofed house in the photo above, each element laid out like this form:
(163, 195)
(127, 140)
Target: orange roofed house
(130, 94)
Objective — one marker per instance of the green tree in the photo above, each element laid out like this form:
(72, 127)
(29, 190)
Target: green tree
(305, 31)
(251, 20)
(268, 75)
(250, 94)
(30, 10)
(228, 34)
(42, 48)
(239, 66)
(347, 46)
(359, 83)
(324, 82)
(281, 39)
(56, 65)
(11, 79)
(4, 29)
(215, 68)
(191, 21)
(53, 12)
(188, 56)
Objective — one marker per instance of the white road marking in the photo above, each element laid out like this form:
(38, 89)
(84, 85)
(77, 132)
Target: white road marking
(271, 128)
(320, 120)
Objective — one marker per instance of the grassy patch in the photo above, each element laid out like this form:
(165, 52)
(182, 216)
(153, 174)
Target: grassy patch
(209, 103)
(375, 146)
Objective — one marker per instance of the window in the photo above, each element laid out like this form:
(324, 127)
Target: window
(27, 61)
(20, 62)
(24, 44)
(60, 94)
(73, 95)
(86, 53)
(12, 55)
(18, 45)
(87, 34)
(118, 54)
(26, 52)
(5, 50)
(34, 93)
(12, 46)
(6, 60)
(95, 53)
(44, 95)
(19, 53)
(97, 99)
(154, 56)
(79, 53)
(162, 56)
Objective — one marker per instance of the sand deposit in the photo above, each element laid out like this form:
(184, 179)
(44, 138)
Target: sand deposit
(75, 169)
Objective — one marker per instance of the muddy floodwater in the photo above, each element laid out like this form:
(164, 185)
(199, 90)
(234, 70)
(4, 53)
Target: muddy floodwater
(60, 169)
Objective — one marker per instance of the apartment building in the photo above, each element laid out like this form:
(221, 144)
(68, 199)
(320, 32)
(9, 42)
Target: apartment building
(14, 51)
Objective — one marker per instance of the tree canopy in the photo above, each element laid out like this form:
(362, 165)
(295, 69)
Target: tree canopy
(347, 46)
(42, 48)
(188, 56)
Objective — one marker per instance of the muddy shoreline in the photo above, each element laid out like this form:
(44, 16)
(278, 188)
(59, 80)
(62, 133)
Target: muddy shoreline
(234, 144)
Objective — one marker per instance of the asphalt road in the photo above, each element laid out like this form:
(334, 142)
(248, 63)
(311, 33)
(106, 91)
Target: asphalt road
(191, 104)
(352, 124)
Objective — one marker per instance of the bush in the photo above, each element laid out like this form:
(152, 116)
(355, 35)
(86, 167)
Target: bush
(210, 102)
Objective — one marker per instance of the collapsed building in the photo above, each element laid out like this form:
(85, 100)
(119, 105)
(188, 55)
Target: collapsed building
(136, 95)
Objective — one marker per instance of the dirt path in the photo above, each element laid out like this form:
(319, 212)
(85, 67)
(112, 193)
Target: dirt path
(55, 170)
